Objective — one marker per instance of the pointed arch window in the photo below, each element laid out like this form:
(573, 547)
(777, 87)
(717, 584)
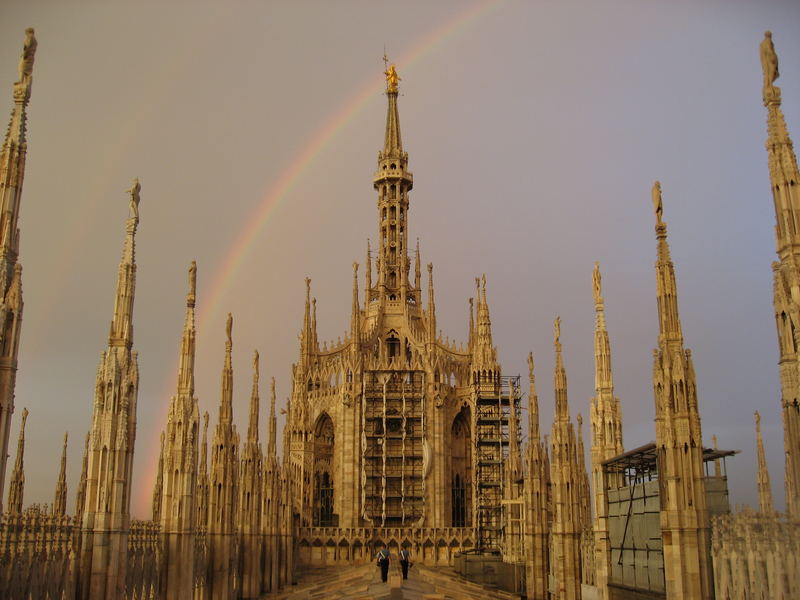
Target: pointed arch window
(392, 345)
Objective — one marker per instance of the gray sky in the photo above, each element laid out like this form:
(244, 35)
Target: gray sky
(534, 131)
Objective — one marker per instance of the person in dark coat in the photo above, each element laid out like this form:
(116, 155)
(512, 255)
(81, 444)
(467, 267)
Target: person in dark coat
(383, 562)
(405, 561)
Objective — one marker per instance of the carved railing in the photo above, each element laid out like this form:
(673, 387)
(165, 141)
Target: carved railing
(335, 545)
(37, 555)
(755, 555)
(144, 561)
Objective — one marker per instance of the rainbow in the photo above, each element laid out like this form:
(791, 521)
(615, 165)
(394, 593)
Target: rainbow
(278, 191)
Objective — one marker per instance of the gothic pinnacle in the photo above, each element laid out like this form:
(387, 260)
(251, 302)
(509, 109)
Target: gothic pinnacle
(121, 330)
(533, 404)
(16, 486)
(186, 368)
(252, 429)
(560, 376)
(60, 498)
(765, 503)
(15, 135)
(666, 288)
(226, 402)
(271, 443)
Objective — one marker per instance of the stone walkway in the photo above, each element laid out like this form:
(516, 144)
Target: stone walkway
(364, 583)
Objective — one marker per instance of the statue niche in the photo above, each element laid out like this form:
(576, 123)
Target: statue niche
(323, 515)
(461, 470)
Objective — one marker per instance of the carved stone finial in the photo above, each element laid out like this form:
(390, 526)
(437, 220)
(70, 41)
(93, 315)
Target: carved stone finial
(769, 62)
(391, 79)
(355, 269)
(657, 206)
(193, 279)
(255, 363)
(596, 284)
(580, 420)
(134, 194)
(229, 328)
(24, 417)
(530, 366)
(28, 54)
(758, 419)
(557, 331)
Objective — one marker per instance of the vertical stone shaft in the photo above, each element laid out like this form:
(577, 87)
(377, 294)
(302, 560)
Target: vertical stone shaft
(565, 477)
(60, 497)
(80, 495)
(765, 504)
(12, 174)
(223, 486)
(785, 186)
(684, 518)
(106, 515)
(16, 486)
(179, 475)
(537, 500)
(605, 419)
(249, 515)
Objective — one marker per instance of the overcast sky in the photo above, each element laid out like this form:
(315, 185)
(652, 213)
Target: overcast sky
(534, 130)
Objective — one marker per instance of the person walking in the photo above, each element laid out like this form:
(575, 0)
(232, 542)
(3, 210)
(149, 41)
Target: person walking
(405, 561)
(383, 562)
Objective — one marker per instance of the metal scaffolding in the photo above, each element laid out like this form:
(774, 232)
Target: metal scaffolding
(393, 457)
(495, 398)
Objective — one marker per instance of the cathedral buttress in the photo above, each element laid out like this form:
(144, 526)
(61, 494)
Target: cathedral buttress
(223, 483)
(537, 499)
(566, 480)
(785, 184)
(12, 174)
(605, 422)
(106, 516)
(684, 518)
(251, 477)
(179, 475)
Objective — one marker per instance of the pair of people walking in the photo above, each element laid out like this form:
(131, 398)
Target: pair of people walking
(383, 557)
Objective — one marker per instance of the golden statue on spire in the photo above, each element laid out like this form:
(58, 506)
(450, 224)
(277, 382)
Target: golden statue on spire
(391, 79)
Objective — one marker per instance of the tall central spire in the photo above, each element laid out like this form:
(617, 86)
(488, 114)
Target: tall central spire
(392, 181)
(393, 144)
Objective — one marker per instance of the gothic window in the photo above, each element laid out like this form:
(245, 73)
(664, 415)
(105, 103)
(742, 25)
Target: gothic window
(392, 191)
(323, 498)
(461, 470)
(392, 345)
(322, 514)
(459, 507)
